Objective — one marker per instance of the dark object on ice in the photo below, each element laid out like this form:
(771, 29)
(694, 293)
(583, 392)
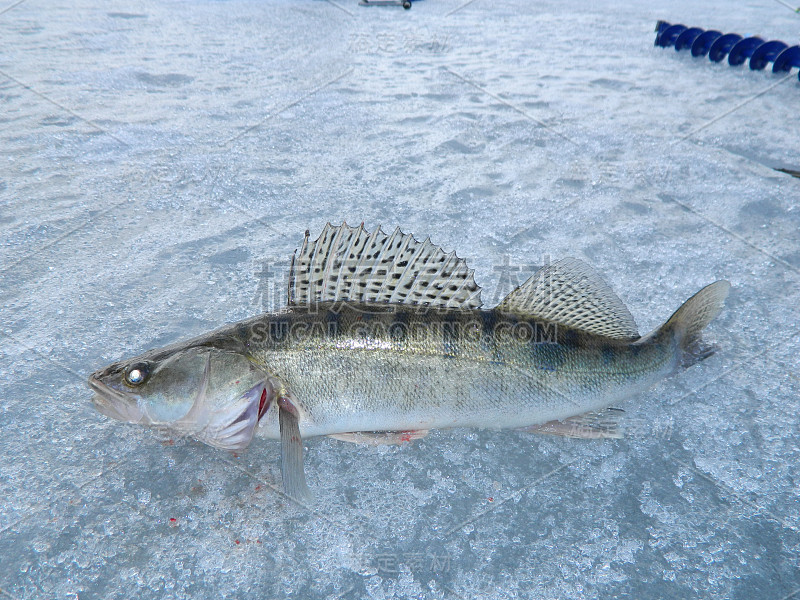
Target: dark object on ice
(792, 172)
(404, 3)
(738, 49)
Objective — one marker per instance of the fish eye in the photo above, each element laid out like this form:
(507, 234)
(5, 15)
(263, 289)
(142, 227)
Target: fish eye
(137, 374)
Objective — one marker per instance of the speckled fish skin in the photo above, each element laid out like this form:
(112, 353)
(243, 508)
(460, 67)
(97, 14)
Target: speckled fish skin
(351, 367)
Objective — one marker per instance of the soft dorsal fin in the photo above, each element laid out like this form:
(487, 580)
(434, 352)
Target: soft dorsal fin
(350, 264)
(570, 293)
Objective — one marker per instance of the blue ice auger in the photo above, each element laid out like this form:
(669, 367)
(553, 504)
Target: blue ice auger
(717, 44)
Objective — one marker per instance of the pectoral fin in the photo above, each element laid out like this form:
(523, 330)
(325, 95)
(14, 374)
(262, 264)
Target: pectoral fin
(294, 479)
(592, 425)
(379, 438)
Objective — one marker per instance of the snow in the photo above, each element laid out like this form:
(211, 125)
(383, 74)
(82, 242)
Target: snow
(155, 158)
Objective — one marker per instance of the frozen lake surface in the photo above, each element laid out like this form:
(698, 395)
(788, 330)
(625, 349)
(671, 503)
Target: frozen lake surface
(160, 161)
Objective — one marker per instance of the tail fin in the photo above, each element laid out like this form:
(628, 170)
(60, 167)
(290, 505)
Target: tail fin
(692, 317)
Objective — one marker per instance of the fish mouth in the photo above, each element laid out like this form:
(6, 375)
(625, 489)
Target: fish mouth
(114, 404)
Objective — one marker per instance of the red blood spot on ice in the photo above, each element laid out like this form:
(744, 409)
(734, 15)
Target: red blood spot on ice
(405, 437)
(173, 521)
(237, 542)
(258, 487)
(491, 499)
(262, 403)
(235, 454)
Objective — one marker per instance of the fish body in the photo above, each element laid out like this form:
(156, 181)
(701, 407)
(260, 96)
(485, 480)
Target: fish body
(356, 367)
(383, 333)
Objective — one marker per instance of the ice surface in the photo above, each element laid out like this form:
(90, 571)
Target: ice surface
(158, 162)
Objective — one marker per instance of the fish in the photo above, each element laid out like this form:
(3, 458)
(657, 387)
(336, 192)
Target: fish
(384, 338)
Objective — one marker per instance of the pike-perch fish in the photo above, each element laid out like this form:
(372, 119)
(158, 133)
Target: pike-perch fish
(383, 338)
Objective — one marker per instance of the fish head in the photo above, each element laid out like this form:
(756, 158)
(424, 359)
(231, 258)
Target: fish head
(215, 396)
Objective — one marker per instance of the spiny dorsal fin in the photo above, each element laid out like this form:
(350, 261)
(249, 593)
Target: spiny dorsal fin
(350, 264)
(570, 293)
